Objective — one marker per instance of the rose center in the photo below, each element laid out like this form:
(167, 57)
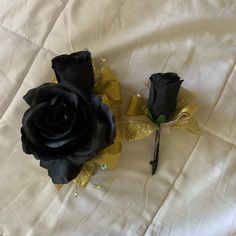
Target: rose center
(57, 114)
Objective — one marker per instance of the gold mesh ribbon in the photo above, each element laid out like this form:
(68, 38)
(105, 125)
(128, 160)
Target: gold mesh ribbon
(139, 126)
(106, 85)
(85, 174)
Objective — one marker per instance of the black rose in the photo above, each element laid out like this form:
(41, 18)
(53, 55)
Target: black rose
(162, 100)
(66, 125)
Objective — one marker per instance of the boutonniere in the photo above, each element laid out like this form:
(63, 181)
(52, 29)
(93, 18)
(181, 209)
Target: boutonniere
(168, 105)
(71, 125)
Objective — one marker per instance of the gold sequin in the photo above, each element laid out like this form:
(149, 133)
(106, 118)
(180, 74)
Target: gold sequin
(138, 127)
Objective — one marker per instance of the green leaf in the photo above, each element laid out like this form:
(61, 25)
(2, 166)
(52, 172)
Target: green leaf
(161, 119)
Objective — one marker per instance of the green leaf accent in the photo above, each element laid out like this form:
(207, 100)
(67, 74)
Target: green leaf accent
(161, 119)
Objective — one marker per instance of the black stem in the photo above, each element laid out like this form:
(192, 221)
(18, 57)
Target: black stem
(154, 162)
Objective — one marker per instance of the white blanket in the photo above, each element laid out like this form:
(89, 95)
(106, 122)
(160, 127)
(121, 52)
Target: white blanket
(194, 190)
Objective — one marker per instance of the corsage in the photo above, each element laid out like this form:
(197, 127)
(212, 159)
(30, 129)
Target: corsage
(71, 126)
(168, 105)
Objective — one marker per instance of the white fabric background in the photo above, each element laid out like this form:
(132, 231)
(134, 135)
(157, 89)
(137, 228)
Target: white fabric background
(194, 191)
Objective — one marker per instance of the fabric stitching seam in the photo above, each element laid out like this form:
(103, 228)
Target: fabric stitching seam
(26, 39)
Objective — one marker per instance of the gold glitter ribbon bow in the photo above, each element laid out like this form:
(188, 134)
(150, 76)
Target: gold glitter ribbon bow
(106, 85)
(139, 126)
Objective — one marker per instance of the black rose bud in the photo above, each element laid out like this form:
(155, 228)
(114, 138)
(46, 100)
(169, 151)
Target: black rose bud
(162, 100)
(66, 125)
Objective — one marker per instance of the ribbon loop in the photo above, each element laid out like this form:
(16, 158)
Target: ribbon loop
(137, 105)
(108, 84)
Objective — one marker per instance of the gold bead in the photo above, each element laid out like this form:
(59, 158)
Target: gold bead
(98, 186)
(104, 167)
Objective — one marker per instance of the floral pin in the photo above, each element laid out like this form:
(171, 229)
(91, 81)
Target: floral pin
(168, 105)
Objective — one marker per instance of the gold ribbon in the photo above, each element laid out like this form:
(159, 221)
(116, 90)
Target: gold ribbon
(139, 126)
(106, 85)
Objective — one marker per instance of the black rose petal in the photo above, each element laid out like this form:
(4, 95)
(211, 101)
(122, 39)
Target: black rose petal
(75, 68)
(107, 115)
(29, 127)
(84, 97)
(46, 92)
(48, 130)
(61, 171)
(29, 148)
(95, 137)
(164, 88)
(24, 141)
